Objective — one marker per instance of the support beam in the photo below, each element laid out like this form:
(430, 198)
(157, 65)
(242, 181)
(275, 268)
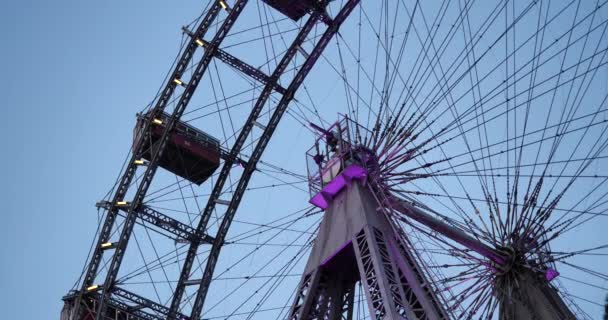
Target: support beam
(135, 311)
(447, 230)
(239, 64)
(356, 243)
(116, 309)
(230, 160)
(181, 230)
(144, 302)
(263, 142)
(146, 179)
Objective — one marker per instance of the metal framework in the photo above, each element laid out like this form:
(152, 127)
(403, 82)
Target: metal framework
(180, 230)
(117, 309)
(265, 138)
(100, 297)
(357, 231)
(358, 243)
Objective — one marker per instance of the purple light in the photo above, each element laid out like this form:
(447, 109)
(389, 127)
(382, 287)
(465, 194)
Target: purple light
(319, 201)
(551, 274)
(334, 186)
(352, 172)
(336, 253)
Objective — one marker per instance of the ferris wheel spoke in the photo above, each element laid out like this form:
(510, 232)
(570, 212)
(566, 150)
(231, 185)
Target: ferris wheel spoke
(277, 279)
(262, 268)
(495, 93)
(528, 144)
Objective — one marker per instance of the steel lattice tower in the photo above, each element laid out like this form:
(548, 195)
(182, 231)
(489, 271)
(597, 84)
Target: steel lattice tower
(357, 243)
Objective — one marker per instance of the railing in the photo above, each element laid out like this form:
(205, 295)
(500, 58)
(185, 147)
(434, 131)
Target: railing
(342, 143)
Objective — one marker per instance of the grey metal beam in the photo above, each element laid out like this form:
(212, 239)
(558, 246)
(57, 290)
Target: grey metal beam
(181, 230)
(91, 300)
(143, 302)
(447, 230)
(230, 159)
(146, 179)
(240, 65)
(127, 177)
(261, 146)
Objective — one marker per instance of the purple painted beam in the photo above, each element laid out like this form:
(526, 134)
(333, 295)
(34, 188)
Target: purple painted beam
(551, 274)
(330, 190)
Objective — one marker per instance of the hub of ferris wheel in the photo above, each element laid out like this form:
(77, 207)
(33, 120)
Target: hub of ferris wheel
(359, 241)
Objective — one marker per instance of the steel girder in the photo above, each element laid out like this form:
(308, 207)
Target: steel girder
(240, 65)
(116, 308)
(133, 311)
(146, 179)
(448, 230)
(261, 146)
(180, 230)
(358, 243)
(236, 149)
(143, 302)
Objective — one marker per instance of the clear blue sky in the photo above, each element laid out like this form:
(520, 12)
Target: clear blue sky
(73, 75)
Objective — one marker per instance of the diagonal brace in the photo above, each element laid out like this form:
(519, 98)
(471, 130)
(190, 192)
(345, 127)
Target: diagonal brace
(162, 221)
(239, 64)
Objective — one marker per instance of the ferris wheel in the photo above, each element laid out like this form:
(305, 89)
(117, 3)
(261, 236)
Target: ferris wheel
(365, 159)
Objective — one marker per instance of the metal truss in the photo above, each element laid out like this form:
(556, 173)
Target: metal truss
(308, 283)
(135, 212)
(123, 304)
(358, 243)
(239, 65)
(372, 285)
(265, 138)
(129, 174)
(323, 296)
(142, 302)
(116, 309)
(404, 256)
(180, 230)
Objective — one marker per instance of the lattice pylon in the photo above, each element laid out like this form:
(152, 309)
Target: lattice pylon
(357, 243)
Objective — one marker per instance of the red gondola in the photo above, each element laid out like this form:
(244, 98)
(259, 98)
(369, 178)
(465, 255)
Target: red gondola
(294, 9)
(191, 153)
